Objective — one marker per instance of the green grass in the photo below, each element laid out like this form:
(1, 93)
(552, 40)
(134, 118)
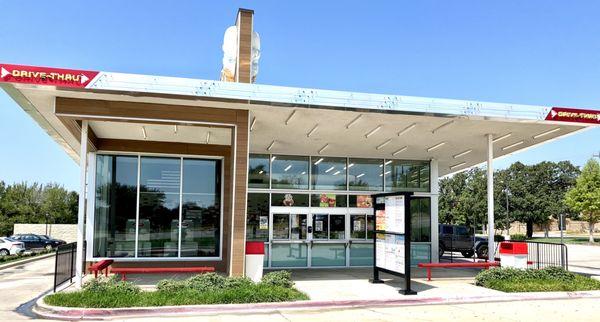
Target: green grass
(255, 293)
(566, 240)
(550, 279)
(12, 258)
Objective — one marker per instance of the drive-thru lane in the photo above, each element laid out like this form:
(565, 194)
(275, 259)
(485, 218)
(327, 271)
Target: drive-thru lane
(21, 284)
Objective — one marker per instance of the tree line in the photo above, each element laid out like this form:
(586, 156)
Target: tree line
(535, 193)
(35, 203)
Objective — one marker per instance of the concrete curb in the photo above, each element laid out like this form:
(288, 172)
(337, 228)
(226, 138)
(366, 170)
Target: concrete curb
(64, 313)
(25, 261)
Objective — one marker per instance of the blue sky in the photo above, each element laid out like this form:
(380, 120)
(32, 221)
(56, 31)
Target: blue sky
(528, 52)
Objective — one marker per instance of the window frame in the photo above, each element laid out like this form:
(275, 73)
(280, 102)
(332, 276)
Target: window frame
(91, 204)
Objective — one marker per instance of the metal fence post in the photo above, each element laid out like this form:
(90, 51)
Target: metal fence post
(55, 268)
(72, 260)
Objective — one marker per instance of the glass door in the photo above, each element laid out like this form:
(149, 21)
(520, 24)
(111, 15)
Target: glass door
(329, 238)
(289, 236)
(361, 227)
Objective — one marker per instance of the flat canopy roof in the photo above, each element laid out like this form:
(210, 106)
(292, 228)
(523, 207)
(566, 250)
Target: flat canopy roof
(290, 120)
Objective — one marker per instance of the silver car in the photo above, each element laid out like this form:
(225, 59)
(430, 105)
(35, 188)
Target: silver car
(10, 246)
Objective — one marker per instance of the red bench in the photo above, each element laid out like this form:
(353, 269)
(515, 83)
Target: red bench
(429, 266)
(99, 266)
(157, 270)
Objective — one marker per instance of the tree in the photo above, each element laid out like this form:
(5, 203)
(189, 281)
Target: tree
(585, 196)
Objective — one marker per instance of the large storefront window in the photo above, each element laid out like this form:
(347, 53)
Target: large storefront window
(289, 172)
(406, 176)
(328, 173)
(257, 219)
(116, 198)
(169, 189)
(258, 171)
(421, 219)
(365, 174)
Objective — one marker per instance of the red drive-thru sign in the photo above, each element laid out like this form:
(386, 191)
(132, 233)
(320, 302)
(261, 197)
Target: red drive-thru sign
(564, 114)
(45, 76)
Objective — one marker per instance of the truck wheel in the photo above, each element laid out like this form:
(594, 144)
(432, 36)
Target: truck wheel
(441, 250)
(467, 253)
(482, 251)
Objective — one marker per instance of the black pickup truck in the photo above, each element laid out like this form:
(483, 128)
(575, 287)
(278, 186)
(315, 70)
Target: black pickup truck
(456, 238)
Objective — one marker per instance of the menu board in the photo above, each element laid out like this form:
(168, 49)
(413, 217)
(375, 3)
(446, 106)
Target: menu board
(390, 252)
(392, 218)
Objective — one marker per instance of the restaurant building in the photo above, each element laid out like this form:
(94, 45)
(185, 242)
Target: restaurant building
(182, 172)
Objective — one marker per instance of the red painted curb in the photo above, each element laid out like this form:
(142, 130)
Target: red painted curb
(51, 312)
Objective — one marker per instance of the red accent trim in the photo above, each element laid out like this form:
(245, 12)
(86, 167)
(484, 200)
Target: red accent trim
(513, 248)
(49, 76)
(576, 115)
(255, 248)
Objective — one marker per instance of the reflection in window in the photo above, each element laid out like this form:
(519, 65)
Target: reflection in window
(358, 226)
(158, 234)
(289, 172)
(328, 200)
(116, 199)
(201, 211)
(421, 220)
(320, 226)
(328, 173)
(289, 200)
(337, 226)
(298, 227)
(365, 174)
(257, 219)
(281, 226)
(258, 171)
(401, 175)
(370, 226)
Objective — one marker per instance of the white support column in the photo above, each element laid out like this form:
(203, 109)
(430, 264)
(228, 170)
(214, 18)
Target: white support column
(490, 196)
(81, 210)
(435, 191)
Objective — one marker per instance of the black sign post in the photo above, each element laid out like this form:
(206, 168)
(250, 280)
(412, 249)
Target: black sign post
(390, 232)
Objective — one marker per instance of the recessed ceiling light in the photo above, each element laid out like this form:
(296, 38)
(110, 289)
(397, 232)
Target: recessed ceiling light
(408, 128)
(383, 144)
(336, 173)
(287, 121)
(319, 161)
(435, 146)
(513, 145)
(260, 172)
(144, 132)
(373, 131)
(400, 151)
(287, 168)
(537, 136)
(442, 126)
(360, 175)
(328, 170)
(462, 154)
(175, 129)
(502, 137)
(271, 145)
(353, 121)
(312, 131)
(452, 167)
(252, 124)
(323, 148)
(273, 158)
(388, 162)
(207, 137)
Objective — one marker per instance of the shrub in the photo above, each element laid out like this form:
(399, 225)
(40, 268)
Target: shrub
(110, 284)
(237, 282)
(278, 278)
(206, 282)
(518, 237)
(171, 285)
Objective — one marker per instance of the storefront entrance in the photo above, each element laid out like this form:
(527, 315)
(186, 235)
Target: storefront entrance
(320, 237)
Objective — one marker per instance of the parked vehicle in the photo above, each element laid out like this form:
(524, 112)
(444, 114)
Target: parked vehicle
(456, 238)
(10, 246)
(33, 241)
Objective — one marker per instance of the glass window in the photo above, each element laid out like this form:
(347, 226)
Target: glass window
(360, 201)
(289, 172)
(289, 200)
(281, 226)
(257, 219)
(201, 209)
(159, 207)
(412, 176)
(365, 174)
(358, 226)
(258, 171)
(328, 173)
(424, 177)
(116, 199)
(327, 200)
(337, 226)
(298, 227)
(401, 175)
(395, 175)
(320, 226)
(370, 226)
(421, 220)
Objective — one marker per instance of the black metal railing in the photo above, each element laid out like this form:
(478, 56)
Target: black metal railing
(542, 255)
(65, 263)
